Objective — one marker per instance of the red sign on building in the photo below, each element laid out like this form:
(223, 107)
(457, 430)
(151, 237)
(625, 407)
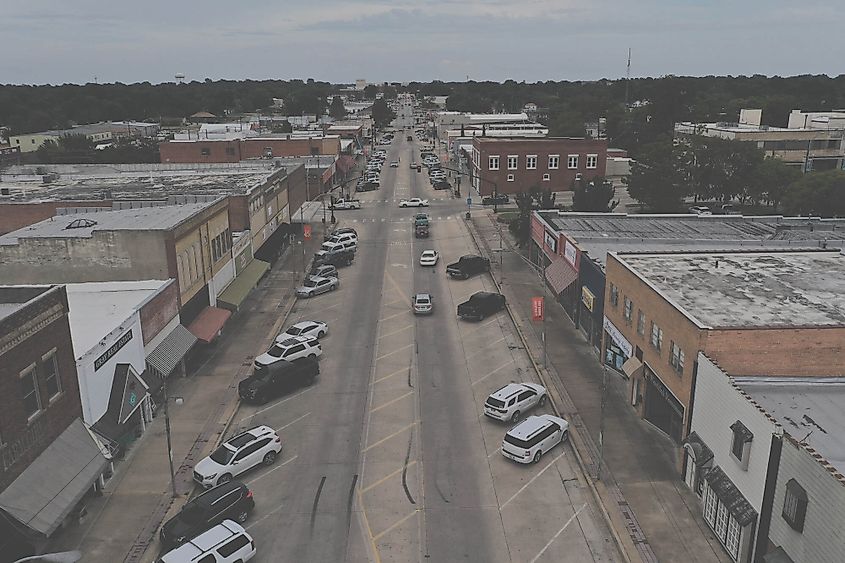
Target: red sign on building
(537, 307)
(306, 232)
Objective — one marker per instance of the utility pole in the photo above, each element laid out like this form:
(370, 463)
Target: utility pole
(601, 420)
(169, 443)
(627, 78)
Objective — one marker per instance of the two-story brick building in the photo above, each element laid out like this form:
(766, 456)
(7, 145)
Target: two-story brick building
(238, 149)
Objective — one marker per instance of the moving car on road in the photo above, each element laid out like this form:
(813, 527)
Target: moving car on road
(289, 349)
(481, 305)
(229, 501)
(394, 164)
(429, 258)
(509, 402)
(238, 454)
(277, 379)
(423, 304)
(315, 286)
(530, 439)
(441, 185)
(421, 219)
(413, 202)
(346, 204)
(468, 266)
(421, 231)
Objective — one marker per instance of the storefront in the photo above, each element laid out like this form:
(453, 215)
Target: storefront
(617, 348)
(661, 407)
(590, 298)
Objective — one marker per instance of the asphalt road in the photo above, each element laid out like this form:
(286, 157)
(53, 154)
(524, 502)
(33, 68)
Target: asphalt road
(387, 457)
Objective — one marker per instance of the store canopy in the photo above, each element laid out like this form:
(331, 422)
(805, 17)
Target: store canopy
(560, 274)
(167, 355)
(45, 493)
(236, 292)
(632, 366)
(209, 323)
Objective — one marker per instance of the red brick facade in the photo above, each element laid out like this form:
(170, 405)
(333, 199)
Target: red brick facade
(236, 150)
(14, 216)
(517, 164)
(160, 310)
(38, 329)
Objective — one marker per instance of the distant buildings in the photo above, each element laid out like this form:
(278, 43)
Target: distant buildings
(96, 133)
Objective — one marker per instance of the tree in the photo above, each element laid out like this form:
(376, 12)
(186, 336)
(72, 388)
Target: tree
(382, 114)
(819, 193)
(595, 195)
(655, 179)
(336, 110)
(544, 199)
(520, 227)
(771, 180)
(370, 91)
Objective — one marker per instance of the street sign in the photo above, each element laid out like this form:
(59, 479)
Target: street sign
(537, 308)
(469, 202)
(306, 232)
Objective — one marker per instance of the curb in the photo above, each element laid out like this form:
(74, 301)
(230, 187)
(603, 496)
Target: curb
(573, 431)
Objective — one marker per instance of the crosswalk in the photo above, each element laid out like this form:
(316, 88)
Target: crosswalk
(402, 219)
(397, 200)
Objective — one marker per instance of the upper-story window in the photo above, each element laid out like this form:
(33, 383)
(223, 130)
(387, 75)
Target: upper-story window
(741, 444)
(572, 162)
(30, 396)
(512, 162)
(531, 162)
(493, 163)
(614, 295)
(794, 505)
(628, 310)
(50, 374)
(656, 336)
(676, 358)
(554, 161)
(640, 322)
(592, 161)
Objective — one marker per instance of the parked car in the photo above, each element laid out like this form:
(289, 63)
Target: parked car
(309, 329)
(530, 439)
(441, 185)
(333, 244)
(498, 199)
(421, 231)
(278, 378)
(338, 257)
(421, 219)
(238, 454)
(394, 164)
(226, 542)
(323, 271)
(468, 266)
(367, 187)
(429, 258)
(481, 305)
(513, 400)
(423, 304)
(700, 210)
(343, 203)
(288, 350)
(315, 286)
(229, 501)
(413, 202)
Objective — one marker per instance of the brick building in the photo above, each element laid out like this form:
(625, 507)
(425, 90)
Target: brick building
(778, 313)
(513, 165)
(238, 149)
(17, 215)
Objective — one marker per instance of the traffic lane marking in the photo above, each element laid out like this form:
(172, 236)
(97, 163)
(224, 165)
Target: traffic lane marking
(390, 475)
(526, 485)
(394, 351)
(559, 532)
(276, 404)
(498, 369)
(388, 403)
(385, 439)
(395, 525)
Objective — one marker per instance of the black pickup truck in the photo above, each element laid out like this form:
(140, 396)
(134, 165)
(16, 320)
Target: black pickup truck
(468, 266)
(282, 377)
(481, 305)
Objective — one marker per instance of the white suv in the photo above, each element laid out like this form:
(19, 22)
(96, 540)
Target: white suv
(289, 349)
(227, 542)
(246, 450)
(530, 439)
(509, 402)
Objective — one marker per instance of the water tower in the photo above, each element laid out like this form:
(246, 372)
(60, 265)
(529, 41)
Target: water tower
(180, 78)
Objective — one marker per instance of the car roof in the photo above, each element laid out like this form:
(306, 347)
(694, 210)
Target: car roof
(304, 324)
(530, 426)
(424, 295)
(508, 391)
(294, 340)
(219, 533)
(483, 294)
(214, 494)
(249, 435)
(429, 252)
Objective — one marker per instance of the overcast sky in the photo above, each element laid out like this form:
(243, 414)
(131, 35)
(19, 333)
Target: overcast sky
(57, 41)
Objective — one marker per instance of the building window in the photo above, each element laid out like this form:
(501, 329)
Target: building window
(676, 358)
(656, 336)
(512, 162)
(546, 177)
(592, 161)
(531, 162)
(732, 538)
(794, 505)
(493, 163)
(50, 374)
(572, 162)
(628, 311)
(510, 177)
(29, 392)
(614, 295)
(554, 161)
(640, 323)
(205, 151)
(710, 507)
(741, 444)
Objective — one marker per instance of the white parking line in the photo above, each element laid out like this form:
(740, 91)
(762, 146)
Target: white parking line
(396, 331)
(501, 367)
(275, 510)
(405, 312)
(287, 461)
(397, 350)
(294, 421)
(554, 537)
(525, 486)
(388, 403)
(276, 404)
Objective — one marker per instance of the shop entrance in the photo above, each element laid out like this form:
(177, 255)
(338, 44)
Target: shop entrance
(662, 409)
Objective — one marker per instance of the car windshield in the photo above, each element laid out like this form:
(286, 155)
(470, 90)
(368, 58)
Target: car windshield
(276, 351)
(295, 331)
(494, 402)
(222, 455)
(423, 300)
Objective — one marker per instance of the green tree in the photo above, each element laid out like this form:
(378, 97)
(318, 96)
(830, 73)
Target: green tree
(544, 199)
(771, 180)
(655, 179)
(594, 195)
(370, 91)
(336, 110)
(382, 114)
(819, 193)
(520, 227)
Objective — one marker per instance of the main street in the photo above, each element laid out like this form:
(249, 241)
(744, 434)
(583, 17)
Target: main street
(387, 457)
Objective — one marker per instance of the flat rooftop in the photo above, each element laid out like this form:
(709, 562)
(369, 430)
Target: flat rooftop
(809, 409)
(748, 289)
(16, 297)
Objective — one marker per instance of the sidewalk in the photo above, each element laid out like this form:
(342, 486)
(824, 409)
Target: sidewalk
(655, 515)
(123, 523)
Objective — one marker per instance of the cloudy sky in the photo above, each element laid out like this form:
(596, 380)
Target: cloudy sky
(57, 41)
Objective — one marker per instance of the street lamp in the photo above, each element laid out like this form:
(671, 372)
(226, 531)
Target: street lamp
(178, 401)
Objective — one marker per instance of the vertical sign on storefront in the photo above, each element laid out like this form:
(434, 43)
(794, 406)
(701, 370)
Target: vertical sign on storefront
(306, 232)
(537, 309)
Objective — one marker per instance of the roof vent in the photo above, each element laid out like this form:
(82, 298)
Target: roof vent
(81, 224)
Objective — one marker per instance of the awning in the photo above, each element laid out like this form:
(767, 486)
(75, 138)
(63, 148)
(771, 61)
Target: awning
(701, 452)
(632, 366)
(209, 323)
(730, 496)
(167, 355)
(234, 295)
(45, 493)
(560, 274)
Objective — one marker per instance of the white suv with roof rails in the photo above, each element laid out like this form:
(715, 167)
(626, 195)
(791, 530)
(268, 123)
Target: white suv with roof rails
(530, 439)
(237, 454)
(514, 399)
(226, 542)
(290, 349)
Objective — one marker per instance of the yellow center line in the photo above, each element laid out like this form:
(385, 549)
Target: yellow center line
(388, 403)
(376, 554)
(397, 372)
(386, 477)
(395, 525)
(396, 331)
(501, 367)
(383, 440)
(397, 350)
(396, 286)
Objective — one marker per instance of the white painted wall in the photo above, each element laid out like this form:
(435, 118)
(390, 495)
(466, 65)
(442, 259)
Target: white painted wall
(224, 277)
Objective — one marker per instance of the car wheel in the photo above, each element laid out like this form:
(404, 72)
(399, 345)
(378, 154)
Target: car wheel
(225, 478)
(269, 458)
(333, 287)
(321, 334)
(242, 516)
(537, 456)
(542, 401)
(515, 416)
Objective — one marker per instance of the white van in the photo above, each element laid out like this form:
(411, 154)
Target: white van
(226, 542)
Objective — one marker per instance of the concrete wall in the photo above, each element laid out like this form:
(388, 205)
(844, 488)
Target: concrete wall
(822, 540)
(14, 216)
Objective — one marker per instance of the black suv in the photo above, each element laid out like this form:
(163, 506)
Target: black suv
(467, 266)
(283, 376)
(335, 258)
(229, 501)
(481, 305)
(441, 185)
(497, 199)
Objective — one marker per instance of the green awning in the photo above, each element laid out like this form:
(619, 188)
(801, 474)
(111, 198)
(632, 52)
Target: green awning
(234, 295)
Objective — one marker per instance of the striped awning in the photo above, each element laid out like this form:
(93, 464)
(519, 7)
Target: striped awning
(560, 274)
(167, 355)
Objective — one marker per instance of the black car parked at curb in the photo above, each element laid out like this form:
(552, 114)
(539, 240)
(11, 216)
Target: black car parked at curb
(282, 377)
(498, 199)
(467, 266)
(335, 258)
(481, 305)
(229, 501)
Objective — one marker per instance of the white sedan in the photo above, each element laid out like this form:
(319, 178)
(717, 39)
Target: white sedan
(394, 164)
(311, 329)
(429, 258)
(413, 202)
